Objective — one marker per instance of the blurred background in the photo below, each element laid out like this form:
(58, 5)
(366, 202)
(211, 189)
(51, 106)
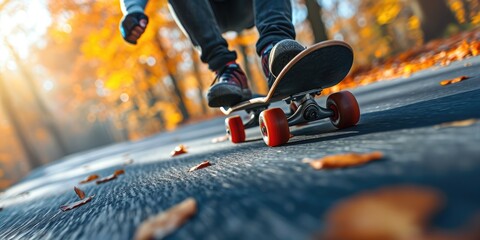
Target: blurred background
(68, 81)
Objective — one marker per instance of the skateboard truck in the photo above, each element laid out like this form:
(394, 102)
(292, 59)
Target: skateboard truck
(308, 111)
(253, 115)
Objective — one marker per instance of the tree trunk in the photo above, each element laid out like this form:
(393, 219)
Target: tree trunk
(176, 88)
(46, 115)
(198, 76)
(316, 22)
(435, 16)
(467, 10)
(28, 149)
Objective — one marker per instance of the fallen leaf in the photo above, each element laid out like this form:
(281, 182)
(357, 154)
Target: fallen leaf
(344, 160)
(119, 172)
(106, 179)
(180, 149)
(128, 162)
(89, 178)
(452, 81)
(76, 204)
(461, 123)
(220, 139)
(79, 192)
(399, 212)
(204, 164)
(163, 224)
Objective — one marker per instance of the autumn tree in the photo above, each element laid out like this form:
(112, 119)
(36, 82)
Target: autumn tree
(316, 22)
(435, 17)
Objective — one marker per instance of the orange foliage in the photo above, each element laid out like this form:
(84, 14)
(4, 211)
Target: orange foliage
(436, 53)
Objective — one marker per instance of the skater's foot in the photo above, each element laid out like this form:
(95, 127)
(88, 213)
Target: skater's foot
(229, 87)
(276, 56)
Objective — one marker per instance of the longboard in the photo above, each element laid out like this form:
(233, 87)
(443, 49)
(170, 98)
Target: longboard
(319, 66)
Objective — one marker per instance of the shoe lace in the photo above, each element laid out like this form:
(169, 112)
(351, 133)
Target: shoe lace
(226, 71)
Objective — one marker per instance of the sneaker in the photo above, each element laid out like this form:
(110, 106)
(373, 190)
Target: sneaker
(275, 57)
(229, 87)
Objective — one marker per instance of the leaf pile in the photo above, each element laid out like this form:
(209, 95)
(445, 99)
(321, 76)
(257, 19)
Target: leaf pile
(440, 52)
(163, 224)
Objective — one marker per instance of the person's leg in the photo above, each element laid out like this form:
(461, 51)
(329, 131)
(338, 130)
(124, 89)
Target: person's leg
(198, 22)
(273, 19)
(233, 15)
(276, 44)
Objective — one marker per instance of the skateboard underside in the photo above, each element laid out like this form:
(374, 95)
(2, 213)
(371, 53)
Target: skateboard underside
(320, 66)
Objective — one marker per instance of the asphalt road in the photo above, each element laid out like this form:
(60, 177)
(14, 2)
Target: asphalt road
(256, 192)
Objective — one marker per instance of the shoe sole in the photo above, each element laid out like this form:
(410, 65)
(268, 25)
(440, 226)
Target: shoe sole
(226, 95)
(282, 53)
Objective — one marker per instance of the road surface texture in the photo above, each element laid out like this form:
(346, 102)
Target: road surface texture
(256, 192)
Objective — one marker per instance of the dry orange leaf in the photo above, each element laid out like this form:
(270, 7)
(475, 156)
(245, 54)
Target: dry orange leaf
(89, 178)
(452, 81)
(76, 204)
(400, 212)
(180, 149)
(220, 139)
(119, 172)
(79, 192)
(204, 164)
(344, 160)
(106, 179)
(461, 123)
(163, 224)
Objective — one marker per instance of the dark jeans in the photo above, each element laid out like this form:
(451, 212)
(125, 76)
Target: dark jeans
(205, 20)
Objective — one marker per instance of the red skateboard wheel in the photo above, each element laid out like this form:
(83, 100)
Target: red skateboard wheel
(346, 112)
(235, 129)
(274, 127)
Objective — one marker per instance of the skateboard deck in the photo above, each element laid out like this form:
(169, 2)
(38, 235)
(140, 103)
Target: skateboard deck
(319, 66)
